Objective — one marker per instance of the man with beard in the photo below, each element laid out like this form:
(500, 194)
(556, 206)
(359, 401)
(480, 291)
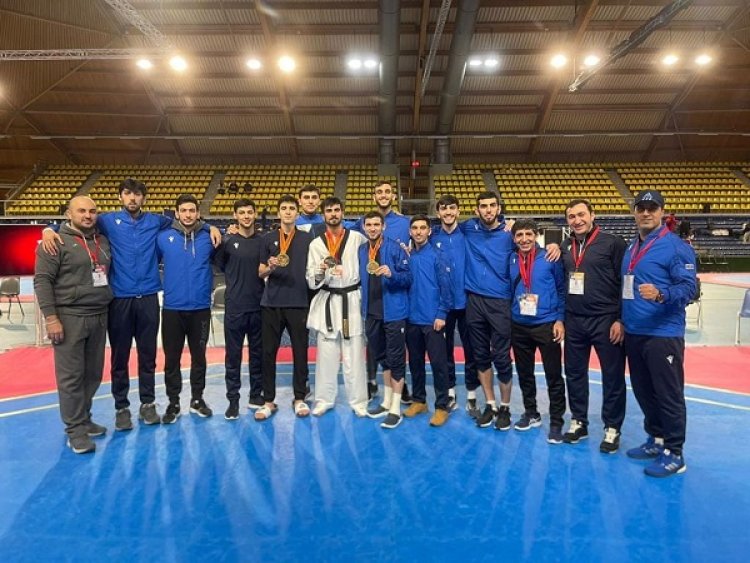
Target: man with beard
(73, 293)
(239, 259)
(186, 253)
(335, 312)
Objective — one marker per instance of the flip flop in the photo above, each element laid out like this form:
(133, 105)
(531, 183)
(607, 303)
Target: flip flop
(301, 409)
(265, 412)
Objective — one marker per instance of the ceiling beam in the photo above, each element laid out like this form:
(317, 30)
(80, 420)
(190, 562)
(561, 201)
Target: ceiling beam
(58, 23)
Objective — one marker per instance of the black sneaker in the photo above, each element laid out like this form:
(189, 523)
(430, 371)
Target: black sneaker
(472, 409)
(611, 442)
(485, 419)
(555, 435)
(378, 412)
(578, 431)
(171, 414)
(406, 396)
(528, 421)
(81, 444)
(122, 420)
(147, 413)
(254, 403)
(199, 407)
(452, 404)
(372, 390)
(93, 429)
(233, 410)
(391, 421)
(502, 422)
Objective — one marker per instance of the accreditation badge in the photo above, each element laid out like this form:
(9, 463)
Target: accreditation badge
(628, 284)
(99, 276)
(575, 283)
(529, 303)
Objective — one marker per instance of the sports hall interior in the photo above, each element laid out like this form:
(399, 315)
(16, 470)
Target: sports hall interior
(538, 101)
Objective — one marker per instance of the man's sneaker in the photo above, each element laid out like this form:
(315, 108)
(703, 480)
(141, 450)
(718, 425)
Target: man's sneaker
(406, 396)
(666, 465)
(416, 409)
(527, 422)
(502, 421)
(147, 413)
(650, 449)
(578, 431)
(93, 429)
(199, 407)
(472, 409)
(391, 421)
(440, 417)
(485, 419)
(611, 442)
(452, 404)
(378, 412)
(372, 390)
(171, 414)
(555, 435)
(233, 410)
(123, 420)
(81, 444)
(254, 403)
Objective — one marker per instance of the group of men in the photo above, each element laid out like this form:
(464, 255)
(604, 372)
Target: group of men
(376, 289)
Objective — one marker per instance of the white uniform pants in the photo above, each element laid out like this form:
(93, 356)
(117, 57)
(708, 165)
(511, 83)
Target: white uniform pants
(331, 353)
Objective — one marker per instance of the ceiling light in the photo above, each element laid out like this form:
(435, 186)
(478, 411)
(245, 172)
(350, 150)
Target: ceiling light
(371, 64)
(559, 60)
(703, 59)
(254, 64)
(670, 59)
(354, 64)
(591, 60)
(144, 64)
(491, 62)
(475, 62)
(178, 63)
(287, 64)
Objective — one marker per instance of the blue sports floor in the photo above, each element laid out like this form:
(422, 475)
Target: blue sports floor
(340, 488)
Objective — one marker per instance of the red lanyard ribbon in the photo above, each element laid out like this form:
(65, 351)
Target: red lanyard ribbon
(578, 254)
(525, 267)
(94, 257)
(636, 255)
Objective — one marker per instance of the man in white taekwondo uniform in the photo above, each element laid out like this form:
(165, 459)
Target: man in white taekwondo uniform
(335, 312)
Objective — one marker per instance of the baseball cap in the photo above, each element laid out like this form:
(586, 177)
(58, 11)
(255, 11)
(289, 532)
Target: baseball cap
(649, 196)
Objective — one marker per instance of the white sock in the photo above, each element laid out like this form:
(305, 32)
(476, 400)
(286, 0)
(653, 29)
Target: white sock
(452, 392)
(471, 395)
(504, 404)
(387, 397)
(659, 441)
(492, 404)
(396, 404)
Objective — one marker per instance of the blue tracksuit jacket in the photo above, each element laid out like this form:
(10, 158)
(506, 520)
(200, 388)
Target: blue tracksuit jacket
(487, 254)
(453, 246)
(430, 294)
(188, 277)
(395, 288)
(548, 282)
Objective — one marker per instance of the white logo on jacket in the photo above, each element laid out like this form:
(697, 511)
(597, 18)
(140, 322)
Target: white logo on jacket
(236, 244)
(171, 239)
(670, 359)
(118, 221)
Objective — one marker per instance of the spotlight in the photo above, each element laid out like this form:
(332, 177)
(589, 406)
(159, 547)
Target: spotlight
(354, 64)
(591, 60)
(287, 64)
(670, 59)
(491, 62)
(371, 64)
(475, 62)
(559, 61)
(254, 64)
(178, 63)
(703, 59)
(144, 64)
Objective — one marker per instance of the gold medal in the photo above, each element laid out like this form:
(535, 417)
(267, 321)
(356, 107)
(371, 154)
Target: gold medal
(330, 261)
(283, 260)
(372, 252)
(372, 267)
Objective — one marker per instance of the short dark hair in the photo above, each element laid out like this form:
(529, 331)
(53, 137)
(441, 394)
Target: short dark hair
(525, 224)
(330, 202)
(132, 185)
(185, 198)
(578, 201)
(419, 217)
(488, 195)
(372, 215)
(287, 198)
(381, 183)
(243, 202)
(308, 188)
(446, 200)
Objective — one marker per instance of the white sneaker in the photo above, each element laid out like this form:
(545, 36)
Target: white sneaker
(320, 409)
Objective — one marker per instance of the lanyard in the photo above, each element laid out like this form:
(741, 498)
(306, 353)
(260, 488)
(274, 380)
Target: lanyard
(578, 257)
(333, 243)
(525, 266)
(285, 240)
(636, 255)
(372, 252)
(94, 257)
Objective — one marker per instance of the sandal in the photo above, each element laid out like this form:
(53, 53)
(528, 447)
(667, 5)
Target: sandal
(301, 409)
(265, 412)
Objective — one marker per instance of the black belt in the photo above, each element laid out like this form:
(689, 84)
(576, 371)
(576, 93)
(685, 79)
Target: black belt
(344, 291)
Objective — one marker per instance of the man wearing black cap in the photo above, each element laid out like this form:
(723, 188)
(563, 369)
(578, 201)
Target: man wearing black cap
(658, 281)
